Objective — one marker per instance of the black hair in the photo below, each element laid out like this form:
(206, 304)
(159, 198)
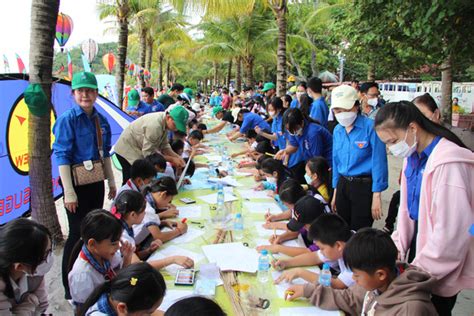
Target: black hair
(192, 123)
(179, 135)
(99, 225)
(195, 306)
(163, 184)
(177, 145)
(157, 159)
(191, 168)
(225, 90)
(149, 91)
(305, 104)
(142, 168)
(288, 99)
(364, 88)
(295, 117)
(328, 229)
(21, 240)
(291, 191)
(264, 147)
(202, 127)
(277, 104)
(177, 87)
(196, 134)
(139, 286)
(303, 84)
(260, 160)
(320, 166)
(370, 249)
(243, 111)
(272, 165)
(315, 84)
(426, 100)
(129, 201)
(251, 133)
(398, 115)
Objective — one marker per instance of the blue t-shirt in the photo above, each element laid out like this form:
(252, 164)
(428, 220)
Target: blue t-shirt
(141, 107)
(414, 174)
(320, 111)
(360, 153)
(315, 141)
(294, 103)
(250, 120)
(156, 106)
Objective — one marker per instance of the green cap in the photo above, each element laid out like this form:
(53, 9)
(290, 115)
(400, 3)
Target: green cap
(84, 80)
(133, 97)
(268, 86)
(180, 117)
(36, 100)
(216, 110)
(189, 92)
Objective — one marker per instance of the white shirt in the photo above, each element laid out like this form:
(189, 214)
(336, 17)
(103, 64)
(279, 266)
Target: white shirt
(345, 274)
(169, 172)
(187, 150)
(84, 279)
(94, 311)
(19, 288)
(126, 237)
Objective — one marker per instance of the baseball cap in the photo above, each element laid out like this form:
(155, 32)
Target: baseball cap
(133, 97)
(180, 117)
(189, 92)
(184, 97)
(307, 209)
(343, 97)
(83, 79)
(292, 89)
(216, 110)
(268, 86)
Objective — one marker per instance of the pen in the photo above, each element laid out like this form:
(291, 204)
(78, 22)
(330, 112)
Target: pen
(269, 154)
(184, 220)
(289, 292)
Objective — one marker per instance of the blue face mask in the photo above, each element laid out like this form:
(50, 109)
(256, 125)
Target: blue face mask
(160, 175)
(308, 179)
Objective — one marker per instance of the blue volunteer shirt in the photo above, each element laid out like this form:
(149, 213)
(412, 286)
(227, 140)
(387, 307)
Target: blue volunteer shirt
(141, 107)
(250, 120)
(360, 153)
(320, 111)
(315, 141)
(76, 137)
(277, 128)
(294, 103)
(414, 174)
(156, 106)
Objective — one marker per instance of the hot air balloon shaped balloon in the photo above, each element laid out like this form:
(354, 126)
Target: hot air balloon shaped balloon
(131, 69)
(90, 48)
(64, 28)
(109, 61)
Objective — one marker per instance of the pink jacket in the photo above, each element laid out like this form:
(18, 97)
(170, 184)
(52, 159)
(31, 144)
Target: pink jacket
(444, 246)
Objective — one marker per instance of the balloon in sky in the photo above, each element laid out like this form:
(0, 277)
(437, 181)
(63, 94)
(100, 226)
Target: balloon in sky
(64, 28)
(90, 48)
(131, 69)
(109, 62)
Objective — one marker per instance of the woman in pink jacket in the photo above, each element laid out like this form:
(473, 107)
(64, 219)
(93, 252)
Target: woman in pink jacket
(436, 201)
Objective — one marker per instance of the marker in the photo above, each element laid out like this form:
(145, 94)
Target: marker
(197, 223)
(289, 292)
(184, 220)
(269, 154)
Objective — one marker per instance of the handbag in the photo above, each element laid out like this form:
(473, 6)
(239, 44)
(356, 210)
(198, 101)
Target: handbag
(91, 171)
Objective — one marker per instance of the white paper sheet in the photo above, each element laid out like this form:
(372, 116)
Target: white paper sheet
(232, 257)
(263, 232)
(212, 157)
(283, 286)
(253, 194)
(262, 208)
(189, 236)
(175, 251)
(190, 211)
(212, 198)
(288, 243)
(172, 296)
(228, 180)
(307, 311)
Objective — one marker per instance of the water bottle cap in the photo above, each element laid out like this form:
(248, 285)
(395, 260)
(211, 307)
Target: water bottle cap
(326, 266)
(238, 215)
(264, 252)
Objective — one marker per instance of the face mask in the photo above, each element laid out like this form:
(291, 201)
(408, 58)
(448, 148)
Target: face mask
(402, 149)
(308, 179)
(299, 94)
(373, 102)
(271, 180)
(160, 175)
(346, 118)
(272, 114)
(45, 266)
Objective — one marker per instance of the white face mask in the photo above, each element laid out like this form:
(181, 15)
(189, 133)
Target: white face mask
(272, 113)
(45, 266)
(346, 118)
(308, 179)
(298, 132)
(271, 180)
(299, 94)
(373, 102)
(402, 149)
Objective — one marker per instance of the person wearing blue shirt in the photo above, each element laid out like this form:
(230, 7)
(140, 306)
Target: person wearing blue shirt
(136, 108)
(249, 121)
(303, 134)
(359, 170)
(76, 143)
(319, 109)
(148, 97)
(300, 90)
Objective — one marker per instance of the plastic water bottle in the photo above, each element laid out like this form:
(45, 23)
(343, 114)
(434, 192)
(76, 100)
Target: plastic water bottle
(220, 195)
(238, 226)
(325, 276)
(263, 266)
(231, 168)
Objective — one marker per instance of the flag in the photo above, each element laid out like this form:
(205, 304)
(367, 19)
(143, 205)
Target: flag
(85, 63)
(6, 64)
(21, 65)
(69, 66)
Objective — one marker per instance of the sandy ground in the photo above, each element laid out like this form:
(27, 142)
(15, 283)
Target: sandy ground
(59, 306)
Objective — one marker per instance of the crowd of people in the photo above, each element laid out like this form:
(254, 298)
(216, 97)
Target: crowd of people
(321, 156)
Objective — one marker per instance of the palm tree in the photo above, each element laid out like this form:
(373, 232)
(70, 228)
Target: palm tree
(280, 9)
(43, 25)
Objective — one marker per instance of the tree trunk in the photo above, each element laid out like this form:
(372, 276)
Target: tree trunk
(168, 73)
(43, 27)
(229, 73)
(281, 14)
(314, 69)
(149, 53)
(216, 73)
(371, 72)
(142, 56)
(121, 56)
(238, 74)
(446, 89)
(160, 72)
(248, 65)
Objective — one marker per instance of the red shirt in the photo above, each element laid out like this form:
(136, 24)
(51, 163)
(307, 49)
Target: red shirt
(226, 100)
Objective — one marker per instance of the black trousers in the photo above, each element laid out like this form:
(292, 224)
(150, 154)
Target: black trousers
(443, 305)
(354, 202)
(89, 197)
(126, 166)
(393, 210)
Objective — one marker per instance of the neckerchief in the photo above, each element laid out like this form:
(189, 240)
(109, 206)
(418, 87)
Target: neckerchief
(127, 228)
(103, 305)
(105, 270)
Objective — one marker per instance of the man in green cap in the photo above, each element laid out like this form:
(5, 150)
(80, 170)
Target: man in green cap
(136, 108)
(269, 89)
(170, 97)
(224, 116)
(149, 134)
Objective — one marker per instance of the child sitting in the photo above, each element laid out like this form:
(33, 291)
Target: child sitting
(195, 306)
(136, 290)
(319, 180)
(178, 146)
(162, 167)
(330, 233)
(193, 142)
(251, 136)
(383, 287)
